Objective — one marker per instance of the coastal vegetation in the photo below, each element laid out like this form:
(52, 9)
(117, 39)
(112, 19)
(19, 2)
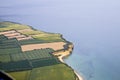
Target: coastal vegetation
(37, 64)
(4, 26)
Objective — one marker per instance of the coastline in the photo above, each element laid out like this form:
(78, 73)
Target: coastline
(66, 50)
(63, 53)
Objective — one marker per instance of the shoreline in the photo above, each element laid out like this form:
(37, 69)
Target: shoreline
(63, 53)
(60, 53)
(78, 76)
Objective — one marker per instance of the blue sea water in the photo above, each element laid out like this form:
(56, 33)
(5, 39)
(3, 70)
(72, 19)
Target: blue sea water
(92, 25)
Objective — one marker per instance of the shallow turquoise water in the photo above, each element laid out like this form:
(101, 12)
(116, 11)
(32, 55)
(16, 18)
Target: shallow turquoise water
(93, 27)
(96, 65)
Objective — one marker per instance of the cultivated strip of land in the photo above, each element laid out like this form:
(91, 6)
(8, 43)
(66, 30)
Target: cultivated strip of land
(54, 45)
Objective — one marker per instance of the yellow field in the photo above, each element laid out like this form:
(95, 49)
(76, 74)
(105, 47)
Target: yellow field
(54, 45)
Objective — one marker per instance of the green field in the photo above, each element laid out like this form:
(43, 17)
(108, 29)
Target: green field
(48, 37)
(5, 58)
(28, 60)
(32, 41)
(61, 72)
(32, 32)
(10, 26)
(34, 54)
(43, 38)
(21, 75)
(9, 46)
(54, 72)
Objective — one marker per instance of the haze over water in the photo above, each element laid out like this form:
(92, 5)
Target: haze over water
(92, 25)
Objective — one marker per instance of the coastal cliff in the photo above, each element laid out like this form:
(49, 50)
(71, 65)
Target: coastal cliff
(64, 52)
(61, 54)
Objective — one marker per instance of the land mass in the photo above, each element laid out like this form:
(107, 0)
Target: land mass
(29, 54)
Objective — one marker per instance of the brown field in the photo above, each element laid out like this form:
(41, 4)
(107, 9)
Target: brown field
(8, 32)
(15, 34)
(54, 45)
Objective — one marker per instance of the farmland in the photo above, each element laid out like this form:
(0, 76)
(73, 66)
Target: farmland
(28, 60)
(43, 37)
(45, 45)
(37, 63)
(9, 46)
(12, 58)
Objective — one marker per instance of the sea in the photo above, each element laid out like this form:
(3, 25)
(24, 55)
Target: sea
(93, 26)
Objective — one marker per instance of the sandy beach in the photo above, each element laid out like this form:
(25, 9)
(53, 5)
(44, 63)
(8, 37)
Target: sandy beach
(61, 59)
(64, 54)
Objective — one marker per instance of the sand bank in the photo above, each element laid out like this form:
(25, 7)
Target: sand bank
(64, 53)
